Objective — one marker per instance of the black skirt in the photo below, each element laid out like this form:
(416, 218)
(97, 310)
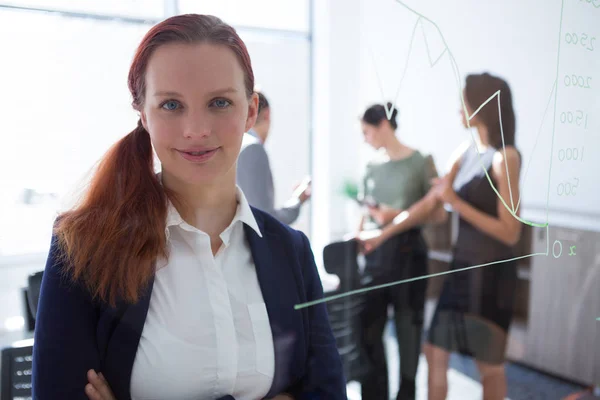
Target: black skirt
(475, 310)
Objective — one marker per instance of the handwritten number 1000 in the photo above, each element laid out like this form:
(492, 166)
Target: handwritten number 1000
(573, 38)
(570, 154)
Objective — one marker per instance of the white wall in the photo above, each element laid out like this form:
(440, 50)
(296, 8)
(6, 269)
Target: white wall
(336, 138)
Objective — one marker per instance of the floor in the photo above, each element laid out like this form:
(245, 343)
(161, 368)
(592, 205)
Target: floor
(463, 384)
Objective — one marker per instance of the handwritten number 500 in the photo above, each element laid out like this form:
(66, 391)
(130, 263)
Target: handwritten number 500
(567, 188)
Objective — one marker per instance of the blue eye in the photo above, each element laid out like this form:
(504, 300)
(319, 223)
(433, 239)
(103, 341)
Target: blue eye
(170, 105)
(221, 103)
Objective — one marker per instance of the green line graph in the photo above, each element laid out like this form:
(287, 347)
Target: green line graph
(537, 140)
(418, 278)
(562, 6)
(454, 64)
(513, 209)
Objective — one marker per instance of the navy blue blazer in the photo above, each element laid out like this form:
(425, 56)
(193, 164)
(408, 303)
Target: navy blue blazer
(74, 334)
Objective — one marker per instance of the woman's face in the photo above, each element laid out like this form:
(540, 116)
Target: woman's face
(196, 110)
(373, 135)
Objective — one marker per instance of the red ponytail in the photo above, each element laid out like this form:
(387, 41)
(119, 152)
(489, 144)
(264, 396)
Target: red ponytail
(111, 240)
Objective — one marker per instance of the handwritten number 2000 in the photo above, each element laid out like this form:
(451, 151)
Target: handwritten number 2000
(578, 81)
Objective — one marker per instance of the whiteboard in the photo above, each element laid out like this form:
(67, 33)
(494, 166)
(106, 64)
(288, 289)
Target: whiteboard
(418, 53)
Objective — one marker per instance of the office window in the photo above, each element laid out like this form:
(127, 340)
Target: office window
(292, 15)
(64, 101)
(123, 8)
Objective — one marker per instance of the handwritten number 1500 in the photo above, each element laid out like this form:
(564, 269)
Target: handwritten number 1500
(584, 40)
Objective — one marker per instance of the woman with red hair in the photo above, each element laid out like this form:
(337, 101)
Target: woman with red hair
(170, 285)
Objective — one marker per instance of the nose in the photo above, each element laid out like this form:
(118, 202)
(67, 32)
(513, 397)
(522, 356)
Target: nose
(197, 124)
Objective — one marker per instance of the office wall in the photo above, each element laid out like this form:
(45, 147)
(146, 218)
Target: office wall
(336, 141)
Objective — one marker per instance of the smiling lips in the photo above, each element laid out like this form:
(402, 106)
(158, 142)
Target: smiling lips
(198, 155)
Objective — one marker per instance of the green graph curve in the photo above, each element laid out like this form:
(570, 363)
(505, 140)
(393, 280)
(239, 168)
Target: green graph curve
(513, 210)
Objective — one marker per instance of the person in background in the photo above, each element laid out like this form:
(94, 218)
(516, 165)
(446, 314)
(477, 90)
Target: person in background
(475, 308)
(254, 171)
(170, 285)
(395, 180)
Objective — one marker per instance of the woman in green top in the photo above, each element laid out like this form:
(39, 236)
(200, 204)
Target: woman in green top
(396, 179)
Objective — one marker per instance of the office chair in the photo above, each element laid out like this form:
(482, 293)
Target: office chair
(26, 311)
(17, 361)
(33, 291)
(340, 258)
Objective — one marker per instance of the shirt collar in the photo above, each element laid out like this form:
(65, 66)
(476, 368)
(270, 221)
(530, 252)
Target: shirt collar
(243, 214)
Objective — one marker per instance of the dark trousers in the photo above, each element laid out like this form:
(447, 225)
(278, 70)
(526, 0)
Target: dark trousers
(402, 257)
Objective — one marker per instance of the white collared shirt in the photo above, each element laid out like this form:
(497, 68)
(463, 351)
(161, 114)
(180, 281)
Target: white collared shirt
(207, 332)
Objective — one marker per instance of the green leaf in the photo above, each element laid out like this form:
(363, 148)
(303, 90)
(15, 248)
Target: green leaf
(350, 189)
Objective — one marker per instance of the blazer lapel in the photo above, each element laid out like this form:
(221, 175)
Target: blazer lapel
(280, 292)
(123, 345)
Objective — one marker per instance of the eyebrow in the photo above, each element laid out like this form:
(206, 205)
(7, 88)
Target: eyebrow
(210, 94)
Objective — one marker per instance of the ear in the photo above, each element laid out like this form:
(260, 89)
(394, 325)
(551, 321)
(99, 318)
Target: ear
(252, 112)
(144, 120)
